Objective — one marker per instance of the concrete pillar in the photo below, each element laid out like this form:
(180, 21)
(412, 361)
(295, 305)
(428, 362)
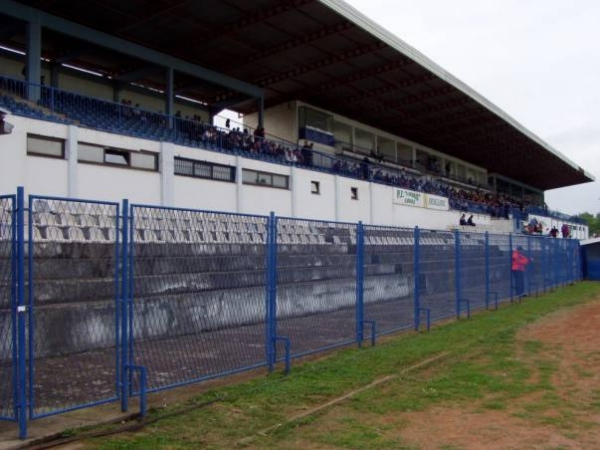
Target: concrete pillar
(371, 204)
(72, 163)
(34, 53)
(167, 174)
(338, 198)
(295, 192)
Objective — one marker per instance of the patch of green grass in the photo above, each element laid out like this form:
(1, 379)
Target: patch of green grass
(483, 365)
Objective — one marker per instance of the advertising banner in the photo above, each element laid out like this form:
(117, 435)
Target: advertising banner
(409, 198)
(420, 200)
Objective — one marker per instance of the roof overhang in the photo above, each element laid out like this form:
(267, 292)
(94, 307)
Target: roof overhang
(324, 53)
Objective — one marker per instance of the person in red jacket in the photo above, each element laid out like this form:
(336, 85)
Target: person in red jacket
(519, 264)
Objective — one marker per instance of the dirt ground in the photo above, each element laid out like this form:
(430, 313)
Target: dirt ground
(571, 341)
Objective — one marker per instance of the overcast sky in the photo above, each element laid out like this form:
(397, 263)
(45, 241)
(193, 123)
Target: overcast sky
(538, 60)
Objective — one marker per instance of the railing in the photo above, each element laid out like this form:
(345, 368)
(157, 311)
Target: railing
(180, 296)
(67, 107)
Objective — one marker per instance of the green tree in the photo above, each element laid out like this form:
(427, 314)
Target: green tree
(593, 222)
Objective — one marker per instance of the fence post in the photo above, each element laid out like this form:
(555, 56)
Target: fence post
(13, 307)
(578, 268)
(21, 310)
(271, 295)
(417, 281)
(360, 279)
(123, 304)
(529, 266)
(457, 271)
(510, 251)
(487, 270)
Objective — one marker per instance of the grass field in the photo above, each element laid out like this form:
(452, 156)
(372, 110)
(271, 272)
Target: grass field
(490, 374)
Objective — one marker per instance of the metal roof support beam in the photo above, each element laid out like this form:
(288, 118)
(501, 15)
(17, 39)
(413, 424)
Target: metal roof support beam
(33, 67)
(288, 45)
(348, 79)
(251, 19)
(22, 12)
(334, 59)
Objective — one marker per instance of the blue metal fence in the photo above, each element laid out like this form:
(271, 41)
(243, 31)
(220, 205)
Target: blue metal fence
(316, 302)
(197, 302)
(101, 301)
(388, 265)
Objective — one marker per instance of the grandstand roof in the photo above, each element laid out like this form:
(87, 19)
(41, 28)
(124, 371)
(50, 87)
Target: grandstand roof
(322, 52)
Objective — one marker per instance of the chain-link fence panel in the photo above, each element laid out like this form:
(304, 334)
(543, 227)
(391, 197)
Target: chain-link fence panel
(553, 267)
(535, 268)
(72, 290)
(575, 260)
(437, 273)
(8, 347)
(388, 285)
(316, 284)
(499, 248)
(472, 277)
(198, 286)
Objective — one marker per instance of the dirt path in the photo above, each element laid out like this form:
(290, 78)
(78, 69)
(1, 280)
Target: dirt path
(570, 340)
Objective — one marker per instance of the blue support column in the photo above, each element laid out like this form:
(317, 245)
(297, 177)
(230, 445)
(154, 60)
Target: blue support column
(271, 294)
(21, 311)
(124, 309)
(14, 303)
(457, 272)
(28, 305)
(529, 269)
(487, 270)
(512, 281)
(33, 67)
(417, 283)
(360, 278)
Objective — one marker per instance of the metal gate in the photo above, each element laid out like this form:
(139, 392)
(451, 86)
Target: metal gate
(71, 302)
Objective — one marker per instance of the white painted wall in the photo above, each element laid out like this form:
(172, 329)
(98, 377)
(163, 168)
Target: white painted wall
(350, 210)
(195, 193)
(46, 175)
(109, 183)
(313, 206)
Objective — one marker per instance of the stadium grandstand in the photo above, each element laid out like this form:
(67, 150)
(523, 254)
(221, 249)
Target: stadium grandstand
(359, 187)
(336, 113)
